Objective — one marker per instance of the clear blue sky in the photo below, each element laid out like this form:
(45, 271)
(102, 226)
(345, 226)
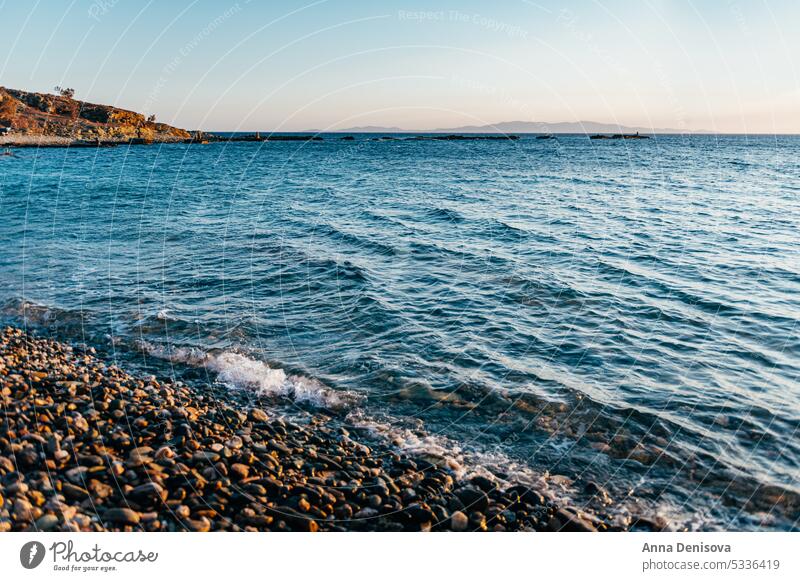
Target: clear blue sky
(727, 65)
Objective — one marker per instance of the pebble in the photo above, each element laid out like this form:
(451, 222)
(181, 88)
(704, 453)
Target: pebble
(123, 516)
(47, 522)
(23, 510)
(17, 488)
(459, 521)
(240, 471)
(419, 514)
(201, 525)
(366, 512)
(74, 492)
(484, 483)
(564, 520)
(473, 498)
(258, 415)
(149, 493)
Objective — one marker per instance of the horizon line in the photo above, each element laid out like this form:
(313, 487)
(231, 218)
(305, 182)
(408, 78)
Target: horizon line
(379, 130)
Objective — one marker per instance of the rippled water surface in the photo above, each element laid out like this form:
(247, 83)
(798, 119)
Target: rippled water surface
(618, 312)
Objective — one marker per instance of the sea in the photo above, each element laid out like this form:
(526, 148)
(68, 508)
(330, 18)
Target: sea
(582, 315)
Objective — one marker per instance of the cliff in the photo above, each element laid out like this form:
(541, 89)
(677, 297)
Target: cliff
(41, 115)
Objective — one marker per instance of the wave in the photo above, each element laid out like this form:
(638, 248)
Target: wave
(25, 313)
(445, 214)
(341, 269)
(360, 241)
(238, 371)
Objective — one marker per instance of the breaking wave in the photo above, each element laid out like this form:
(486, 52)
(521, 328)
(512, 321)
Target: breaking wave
(239, 371)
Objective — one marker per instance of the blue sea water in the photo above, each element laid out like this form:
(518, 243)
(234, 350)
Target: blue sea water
(565, 311)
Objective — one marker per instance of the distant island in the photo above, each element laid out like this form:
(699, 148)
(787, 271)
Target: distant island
(509, 127)
(56, 120)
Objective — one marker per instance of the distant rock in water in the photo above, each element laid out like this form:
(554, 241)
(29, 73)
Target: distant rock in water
(452, 137)
(474, 137)
(60, 119)
(620, 136)
(257, 137)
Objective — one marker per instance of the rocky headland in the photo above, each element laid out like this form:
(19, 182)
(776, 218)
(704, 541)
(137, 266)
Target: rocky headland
(42, 119)
(86, 446)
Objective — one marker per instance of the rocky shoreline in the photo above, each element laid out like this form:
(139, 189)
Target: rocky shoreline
(86, 446)
(45, 120)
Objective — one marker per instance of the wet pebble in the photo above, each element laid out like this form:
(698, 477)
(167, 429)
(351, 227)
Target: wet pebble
(459, 521)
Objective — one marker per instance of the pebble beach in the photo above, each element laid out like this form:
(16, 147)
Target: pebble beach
(86, 446)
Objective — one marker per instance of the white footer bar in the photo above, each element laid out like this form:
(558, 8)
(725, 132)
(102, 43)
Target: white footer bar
(356, 556)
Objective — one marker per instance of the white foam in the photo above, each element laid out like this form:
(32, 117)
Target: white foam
(443, 451)
(238, 371)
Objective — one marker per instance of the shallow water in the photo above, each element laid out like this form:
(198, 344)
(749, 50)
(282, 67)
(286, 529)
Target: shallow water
(618, 312)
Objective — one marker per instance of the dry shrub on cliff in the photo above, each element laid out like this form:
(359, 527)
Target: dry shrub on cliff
(67, 92)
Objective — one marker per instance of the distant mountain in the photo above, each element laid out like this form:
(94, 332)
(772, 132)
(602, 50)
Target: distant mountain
(525, 127)
(374, 129)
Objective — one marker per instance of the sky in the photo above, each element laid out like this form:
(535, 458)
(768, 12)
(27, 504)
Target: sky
(724, 65)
